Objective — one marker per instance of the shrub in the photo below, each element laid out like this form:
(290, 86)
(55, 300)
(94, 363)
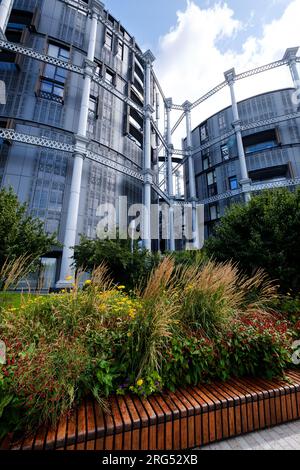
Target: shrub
(20, 234)
(262, 234)
(125, 267)
(254, 345)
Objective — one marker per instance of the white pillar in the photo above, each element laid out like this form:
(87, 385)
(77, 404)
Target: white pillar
(192, 177)
(81, 142)
(148, 174)
(5, 10)
(170, 183)
(291, 55)
(245, 181)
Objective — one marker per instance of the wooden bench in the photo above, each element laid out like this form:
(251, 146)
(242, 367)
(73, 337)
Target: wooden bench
(190, 417)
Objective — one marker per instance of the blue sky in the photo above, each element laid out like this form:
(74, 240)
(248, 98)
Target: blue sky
(196, 41)
(150, 19)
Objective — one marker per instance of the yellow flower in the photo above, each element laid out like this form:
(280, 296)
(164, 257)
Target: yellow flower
(129, 335)
(140, 382)
(69, 278)
(88, 282)
(121, 287)
(63, 291)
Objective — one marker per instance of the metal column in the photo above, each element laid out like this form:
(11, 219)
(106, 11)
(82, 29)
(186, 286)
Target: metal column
(148, 174)
(245, 181)
(81, 142)
(192, 179)
(5, 11)
(291, 55)
(170, 184)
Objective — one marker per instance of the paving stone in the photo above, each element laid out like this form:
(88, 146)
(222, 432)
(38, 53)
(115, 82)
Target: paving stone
(284, 437)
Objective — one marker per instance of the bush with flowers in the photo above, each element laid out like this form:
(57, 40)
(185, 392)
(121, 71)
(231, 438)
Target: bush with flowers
(188, 325)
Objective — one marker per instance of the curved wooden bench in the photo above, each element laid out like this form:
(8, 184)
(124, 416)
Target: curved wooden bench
(188, 418)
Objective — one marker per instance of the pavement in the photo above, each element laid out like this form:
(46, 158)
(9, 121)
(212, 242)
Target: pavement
(284, 437)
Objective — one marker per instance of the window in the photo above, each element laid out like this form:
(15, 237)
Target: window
(109, 39)
(261, 141)
(233, 183)
(222, 121)
(53, 78)
(214, 212)
(212, 183)
(15, 32)
(211, 178)
(92, 116)
(120, 53)
(93, 106)
(203, 132)
(274, 173)
(225, 152)
(51, 89)
(109, 77)
(206, 159)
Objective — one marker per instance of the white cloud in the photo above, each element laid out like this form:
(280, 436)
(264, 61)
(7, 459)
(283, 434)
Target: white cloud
(190, 63)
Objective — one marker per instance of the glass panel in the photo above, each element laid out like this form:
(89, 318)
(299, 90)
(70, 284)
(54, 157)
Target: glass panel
(46, 86)
(58, 91)
(213, 212)
(233, 183)
(50, 71)
(53, 50)
(48, 273)
(210, 178)
(261, 146)
(225, 152)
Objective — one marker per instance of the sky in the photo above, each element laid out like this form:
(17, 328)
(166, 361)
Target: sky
(196, 41)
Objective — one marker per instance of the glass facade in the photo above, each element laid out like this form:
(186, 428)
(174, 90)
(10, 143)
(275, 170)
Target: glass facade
(44, 101)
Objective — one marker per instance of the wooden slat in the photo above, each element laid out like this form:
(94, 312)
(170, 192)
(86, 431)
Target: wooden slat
(187, 418)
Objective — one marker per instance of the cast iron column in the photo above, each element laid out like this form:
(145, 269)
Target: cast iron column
(170, 184)
(192, 178)
(245, 181)
(81, 142)
(148, 174)
(5, 10)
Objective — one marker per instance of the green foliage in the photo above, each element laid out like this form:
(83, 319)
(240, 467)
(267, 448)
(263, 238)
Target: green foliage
(188, 360)
(99, 340)
(262, 234)
(125, 267)
(255, 345)
(20, 234)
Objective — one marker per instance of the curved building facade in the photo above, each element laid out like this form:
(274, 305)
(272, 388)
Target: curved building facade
(270, 134)
(77, 128)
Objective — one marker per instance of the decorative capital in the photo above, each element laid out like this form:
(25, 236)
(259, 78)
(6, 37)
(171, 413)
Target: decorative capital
(187, 105)
(290, 54)
(148, 176)
(169, 103)
(230, 76)
(237, 125)
(96, 7)
(149, 57)
(149, 110)
(246, 185)
(81, 144)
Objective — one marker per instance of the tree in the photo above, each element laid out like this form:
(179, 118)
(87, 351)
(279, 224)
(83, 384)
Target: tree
(21, 234)
(264, 233)
(125, 267)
